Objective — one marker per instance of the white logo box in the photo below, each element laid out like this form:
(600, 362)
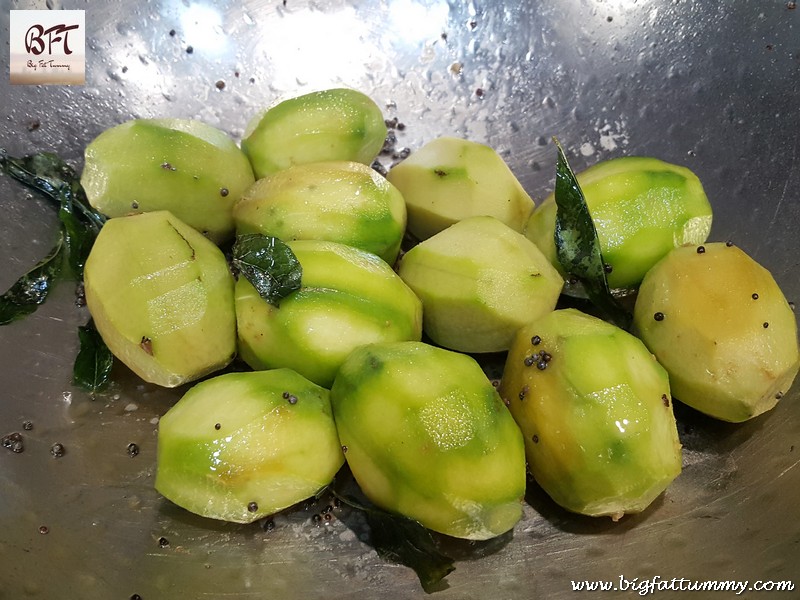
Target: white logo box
(47, 47)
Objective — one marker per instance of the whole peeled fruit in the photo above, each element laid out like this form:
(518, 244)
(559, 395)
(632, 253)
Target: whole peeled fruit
(721, 327)
(161, 296)
(428, 437)
(595, 411)
(242, 446)
(450, 179)
(479, 281)
(339, 201)
(347, 298)
(333, 124)
(185, 166)
(641, 208)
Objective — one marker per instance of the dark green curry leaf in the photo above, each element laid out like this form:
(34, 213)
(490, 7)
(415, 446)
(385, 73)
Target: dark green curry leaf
(268, 264)
(93, 364)
(48, 174)
(79, 237)
(398, 539)
(578, 246)
(32, 289)
(80, 224)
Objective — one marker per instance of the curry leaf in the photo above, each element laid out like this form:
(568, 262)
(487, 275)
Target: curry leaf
(578, 246)
(80, 224)
(48, 174)
(268, 264)
(94, 362)
(32, 289)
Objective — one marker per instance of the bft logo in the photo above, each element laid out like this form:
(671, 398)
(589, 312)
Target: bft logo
(36, 36)
(48, 46)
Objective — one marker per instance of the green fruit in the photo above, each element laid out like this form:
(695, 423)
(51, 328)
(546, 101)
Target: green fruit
(721, 327)
(641, 207)
(594, 409)
(187, 167)
(479, 281)
(427, 436)
(335, 124)
(343, 202)
(242, 446)
(450, 179)
(161, 297)
(348, 298)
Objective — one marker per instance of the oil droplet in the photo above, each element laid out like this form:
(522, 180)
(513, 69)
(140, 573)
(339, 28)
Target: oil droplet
(13, 441)
(58, 450)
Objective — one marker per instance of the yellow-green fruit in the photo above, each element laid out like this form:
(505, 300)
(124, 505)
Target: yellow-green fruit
(242, 446)
(721, 327)
(450, 179)
(335, 124)
(345, 202)
(428, 437)
(595, 412)
(185, 166)
(348, 298)
(161, 296)
(641, 207)
(479, 281)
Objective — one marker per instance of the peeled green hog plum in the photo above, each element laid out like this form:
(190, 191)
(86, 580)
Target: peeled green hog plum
(450, 179)
(182, 165)
(161, 297)
(427, 436)
(721, 327)
(338, 201)
(479, 281)
(242, 446)
(348, 297)
(334, 124)
(641, 207)
(595, 411)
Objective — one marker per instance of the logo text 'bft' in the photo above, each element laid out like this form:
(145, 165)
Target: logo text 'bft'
(35, 40)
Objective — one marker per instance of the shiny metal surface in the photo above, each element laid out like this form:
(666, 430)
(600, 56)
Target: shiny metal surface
(711, 85)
